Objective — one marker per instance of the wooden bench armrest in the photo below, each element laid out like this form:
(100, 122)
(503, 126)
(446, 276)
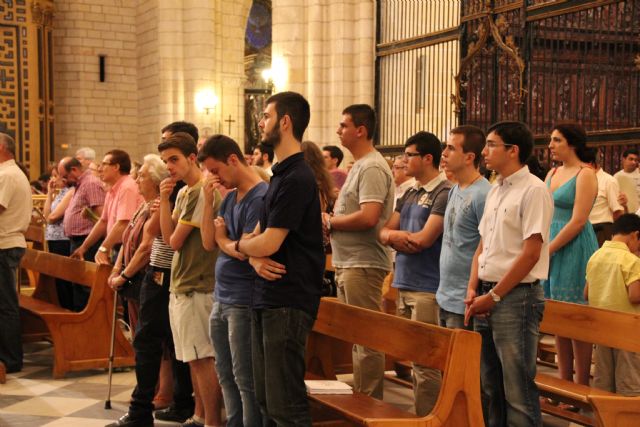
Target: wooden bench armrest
(616, 411)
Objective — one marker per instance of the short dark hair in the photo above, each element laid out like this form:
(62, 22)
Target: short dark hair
(334, 152)
(182, 126)
(628, 151)
(363, 115)
(72, 163)
(182, 141)
(473, 142)
(576, 137)
(626, 224)
(8, 142)
(122, 159)
(295, 106)
(220, 147)
(266, 149)
(515, 133)
(590, 156)
(426, 143)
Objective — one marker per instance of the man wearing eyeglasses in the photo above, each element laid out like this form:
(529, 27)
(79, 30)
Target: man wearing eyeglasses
(415, 232)
(504, 292)
(361, 261)
(121, 202)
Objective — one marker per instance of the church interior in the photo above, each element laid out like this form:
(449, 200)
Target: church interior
(110, 74)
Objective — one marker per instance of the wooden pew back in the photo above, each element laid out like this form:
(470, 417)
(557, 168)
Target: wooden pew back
(455, 352)
(591, 324)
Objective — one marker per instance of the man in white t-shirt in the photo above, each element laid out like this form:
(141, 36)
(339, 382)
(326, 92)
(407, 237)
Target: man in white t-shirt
(630, 172)
(607, 207)
(15, 214)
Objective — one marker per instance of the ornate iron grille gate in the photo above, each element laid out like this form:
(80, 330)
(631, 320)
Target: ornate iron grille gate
(539, 61)
(417, 55)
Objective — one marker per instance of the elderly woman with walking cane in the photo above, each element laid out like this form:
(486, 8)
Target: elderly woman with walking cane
(141, 273)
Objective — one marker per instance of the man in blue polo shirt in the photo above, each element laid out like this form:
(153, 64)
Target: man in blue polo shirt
(230, 322)
(415, 232)
(286, 251)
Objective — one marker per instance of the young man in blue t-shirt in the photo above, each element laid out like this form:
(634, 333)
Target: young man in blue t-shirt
(230, 322)
(286, 250)
(461, 157)
(415, 232)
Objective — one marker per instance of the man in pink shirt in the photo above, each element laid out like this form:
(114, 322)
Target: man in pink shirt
(121, 202)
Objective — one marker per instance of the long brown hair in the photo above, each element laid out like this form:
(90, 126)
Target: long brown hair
(313, 157)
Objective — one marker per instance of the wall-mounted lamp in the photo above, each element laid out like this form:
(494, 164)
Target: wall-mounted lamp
(267, 76)
(206, 100)
(276, 77)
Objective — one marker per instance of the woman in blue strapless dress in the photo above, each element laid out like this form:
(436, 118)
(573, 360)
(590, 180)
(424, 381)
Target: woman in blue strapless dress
(574, 187)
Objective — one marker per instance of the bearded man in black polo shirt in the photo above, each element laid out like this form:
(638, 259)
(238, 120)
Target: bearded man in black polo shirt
(287, 253)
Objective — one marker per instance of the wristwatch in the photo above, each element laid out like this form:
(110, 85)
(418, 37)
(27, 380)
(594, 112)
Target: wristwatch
(103, 249)
(495, 297)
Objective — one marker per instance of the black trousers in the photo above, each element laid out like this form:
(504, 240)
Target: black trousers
(152, 336)
(63, 287)
(81, 293)
(10, 331)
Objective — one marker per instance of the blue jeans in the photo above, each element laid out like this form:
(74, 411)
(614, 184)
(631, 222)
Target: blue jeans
(452, 320)
(230, 331)
(508, 359)
(278, 339)
(10, 332)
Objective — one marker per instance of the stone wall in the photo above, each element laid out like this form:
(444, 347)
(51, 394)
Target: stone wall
(88, 112)
(159, 56)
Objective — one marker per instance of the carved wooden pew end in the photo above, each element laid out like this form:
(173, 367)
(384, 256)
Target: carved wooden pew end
(80, 340)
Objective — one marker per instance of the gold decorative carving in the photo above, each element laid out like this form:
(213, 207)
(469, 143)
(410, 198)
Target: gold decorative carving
(494, 29)
(41, 15)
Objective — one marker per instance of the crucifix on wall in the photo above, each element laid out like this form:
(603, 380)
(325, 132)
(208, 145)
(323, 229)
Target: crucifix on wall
(229, 120)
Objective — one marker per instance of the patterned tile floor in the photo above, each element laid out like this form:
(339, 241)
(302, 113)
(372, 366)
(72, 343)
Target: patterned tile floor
(31, 398)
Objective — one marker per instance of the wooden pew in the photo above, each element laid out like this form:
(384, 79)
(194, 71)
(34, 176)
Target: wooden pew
(454, 352)
(616, 411)
(80, 340)
(589, 324)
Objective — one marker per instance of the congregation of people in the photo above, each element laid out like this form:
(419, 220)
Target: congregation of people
(219, 257)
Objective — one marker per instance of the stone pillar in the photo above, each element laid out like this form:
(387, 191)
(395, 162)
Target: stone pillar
(328, 51)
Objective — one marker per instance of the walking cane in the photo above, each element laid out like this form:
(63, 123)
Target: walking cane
(107, 403)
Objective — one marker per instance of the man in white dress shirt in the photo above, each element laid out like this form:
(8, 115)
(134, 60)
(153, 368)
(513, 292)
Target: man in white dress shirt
(512, 257)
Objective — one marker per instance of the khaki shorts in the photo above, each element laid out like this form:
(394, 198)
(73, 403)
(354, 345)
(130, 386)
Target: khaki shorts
(189, 317)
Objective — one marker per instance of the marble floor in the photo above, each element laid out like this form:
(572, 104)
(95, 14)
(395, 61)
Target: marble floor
(31, 398)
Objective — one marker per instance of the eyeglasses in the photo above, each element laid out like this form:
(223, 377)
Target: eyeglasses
(107, 164)
(407, 155)
(494, 145)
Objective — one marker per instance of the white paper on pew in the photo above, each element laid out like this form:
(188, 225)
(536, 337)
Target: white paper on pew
(327, 387)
